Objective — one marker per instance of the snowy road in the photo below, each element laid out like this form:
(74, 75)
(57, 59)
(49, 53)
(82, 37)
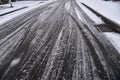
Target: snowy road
(57, 41)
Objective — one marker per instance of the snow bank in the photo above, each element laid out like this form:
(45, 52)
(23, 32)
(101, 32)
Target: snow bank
(108, 9)
(93, 16)
(18, 4)
(31, 5)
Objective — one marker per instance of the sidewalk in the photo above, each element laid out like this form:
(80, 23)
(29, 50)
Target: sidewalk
(110, 10)
(14, 12)
(10, 10)
(17, 6)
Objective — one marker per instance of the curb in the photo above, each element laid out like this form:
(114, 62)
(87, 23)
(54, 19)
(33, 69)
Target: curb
(12, 11)
(106, 20)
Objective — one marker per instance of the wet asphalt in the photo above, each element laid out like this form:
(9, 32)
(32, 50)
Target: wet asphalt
(52, 43)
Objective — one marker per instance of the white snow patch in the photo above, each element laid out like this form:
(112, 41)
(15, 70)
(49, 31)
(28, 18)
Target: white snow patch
(10, 9)
(94, 17)
(17, 5)
(31, 5)
(114, 38)
(67, 6)
(78, 14)
(15, 62)
(108, 9)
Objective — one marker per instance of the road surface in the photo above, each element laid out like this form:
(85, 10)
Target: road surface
(53, 42)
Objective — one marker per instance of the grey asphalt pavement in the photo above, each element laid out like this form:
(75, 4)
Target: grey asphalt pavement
(52, 43)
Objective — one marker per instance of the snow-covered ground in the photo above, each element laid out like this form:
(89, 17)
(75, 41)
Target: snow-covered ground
(30, 5)
(93, 16)
(114, 38)
(109, 9)
(17, 5)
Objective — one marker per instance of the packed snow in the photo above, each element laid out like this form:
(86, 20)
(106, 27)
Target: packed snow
(108, 9)
(114, 38)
